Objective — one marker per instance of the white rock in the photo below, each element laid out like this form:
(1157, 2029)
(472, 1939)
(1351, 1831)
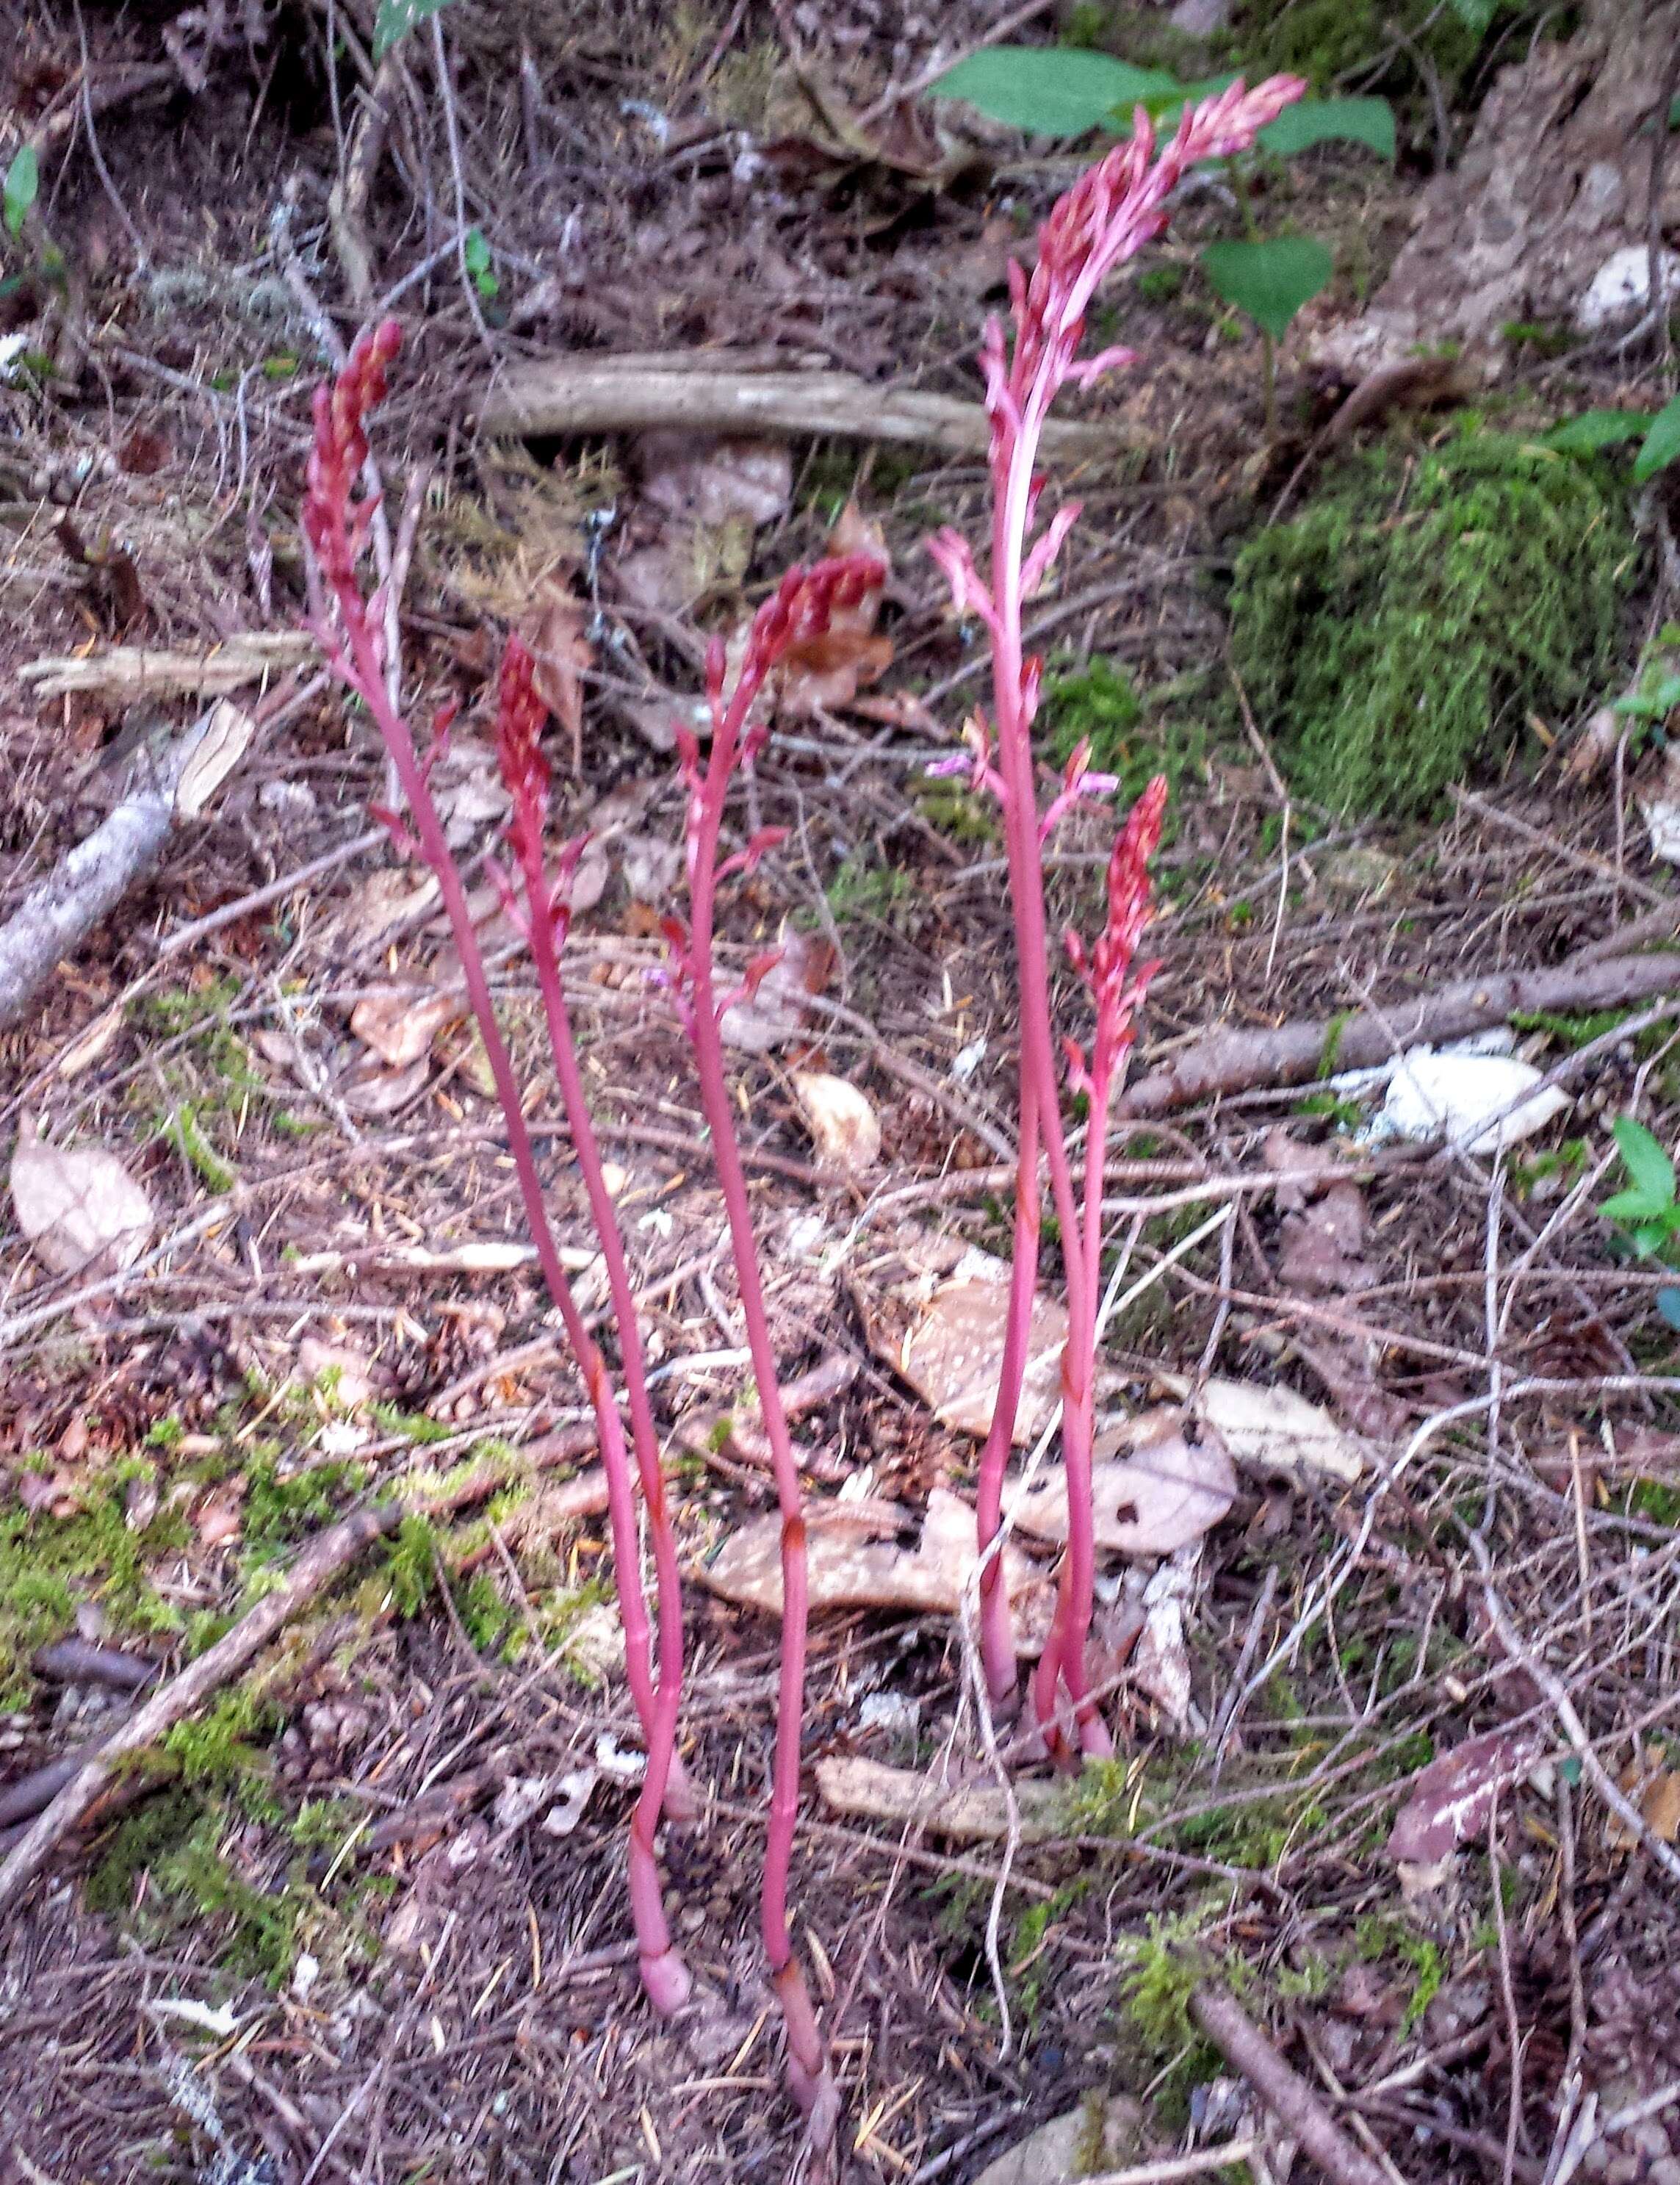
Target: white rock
(1473, 1100)
(1621, 287)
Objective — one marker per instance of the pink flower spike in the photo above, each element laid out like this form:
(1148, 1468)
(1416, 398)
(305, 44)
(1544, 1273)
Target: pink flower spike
(968, 594)
(942, 770)
(1045, 548)
(1093, 368)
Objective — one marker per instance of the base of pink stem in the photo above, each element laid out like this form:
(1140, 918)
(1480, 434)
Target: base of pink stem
(810, 2080)
(667, 1982)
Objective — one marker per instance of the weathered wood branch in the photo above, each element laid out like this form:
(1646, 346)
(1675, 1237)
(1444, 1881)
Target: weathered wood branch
(705, 392)
(320, 1563)
(1297, 1054)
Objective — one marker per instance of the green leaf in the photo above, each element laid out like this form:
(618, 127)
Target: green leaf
(1476, 15)
(1647, 1165)
(1668, 1304)
(1048, 91)
(1629, 1208)
(1270, 281)
(1594, 430)
(23, 180)
(476, 251)
(1310, 121)
(1662, 444)
(397, 18)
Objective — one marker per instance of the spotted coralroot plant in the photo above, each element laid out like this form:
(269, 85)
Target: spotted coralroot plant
(336, 522)
(1110, 214)
(800, 611)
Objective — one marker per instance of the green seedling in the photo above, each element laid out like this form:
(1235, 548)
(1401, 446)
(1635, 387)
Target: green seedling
(23, 182)
(475, 252)
(1647, 1211)
(397, 18)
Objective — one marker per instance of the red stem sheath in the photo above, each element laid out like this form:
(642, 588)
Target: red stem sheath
(357, 661)
(808, 2073)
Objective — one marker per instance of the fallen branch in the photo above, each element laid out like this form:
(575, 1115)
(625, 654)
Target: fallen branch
(1302, 1052)
(1284, 2092)
(320, 1563)
(127, 671)
(709, 392)
(89, 882)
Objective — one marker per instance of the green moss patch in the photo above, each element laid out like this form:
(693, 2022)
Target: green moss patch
(1397, 635)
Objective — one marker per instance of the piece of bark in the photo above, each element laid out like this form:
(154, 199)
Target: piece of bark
(1297, 1054)
(319, 1564)
(79, 1662)
(702, 394)
(1284, 2092)
(129, 672)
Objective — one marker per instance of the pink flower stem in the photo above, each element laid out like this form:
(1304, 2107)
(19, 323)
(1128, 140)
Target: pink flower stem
(1114, 209)
(997, 1637)
(800, 609)
(356, 657)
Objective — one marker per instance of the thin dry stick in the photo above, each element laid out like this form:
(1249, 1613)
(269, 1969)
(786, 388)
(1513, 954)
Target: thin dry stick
(1282, 2089)
(320, 1563)
(1568, 1720)
(1508, 1991)
(1172, 2167)
(452, 136)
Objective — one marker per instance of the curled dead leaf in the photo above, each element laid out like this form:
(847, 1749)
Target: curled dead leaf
(554, 629)
(845, 1128)
(77, 1204)
(953, 1357)
(855, 1560)
(1654, 1790)
(776, 1012)
(400, 1027)
(1274, 1431)
(1452, 1797)
(1176, 1485)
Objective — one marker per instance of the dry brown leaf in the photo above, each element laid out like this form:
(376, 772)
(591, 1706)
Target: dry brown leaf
(1170, 1490)
(77, 1204)
(1655, 1791)
(1274, 1431)
(845, 1128)
(777, 1013)
(854, 1560)
(953, 1357)
(694, 478)
(1452, 1797)
(400, 1027)
(219, 1519)
(554, 629)
(962, 1813)
(1323, 1245)
(383, 1091)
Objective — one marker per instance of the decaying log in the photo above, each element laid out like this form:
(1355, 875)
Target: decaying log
(705, 392)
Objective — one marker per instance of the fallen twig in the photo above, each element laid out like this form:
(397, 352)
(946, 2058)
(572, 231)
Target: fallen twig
(1282, 2089)
(89, 882)
(711, 393)
(320, 1563)
(1299, 1052)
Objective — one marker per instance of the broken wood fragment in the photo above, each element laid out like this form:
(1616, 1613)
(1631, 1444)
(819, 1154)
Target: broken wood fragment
(706, 392)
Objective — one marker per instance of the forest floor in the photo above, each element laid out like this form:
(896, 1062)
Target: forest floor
(361, 1915)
